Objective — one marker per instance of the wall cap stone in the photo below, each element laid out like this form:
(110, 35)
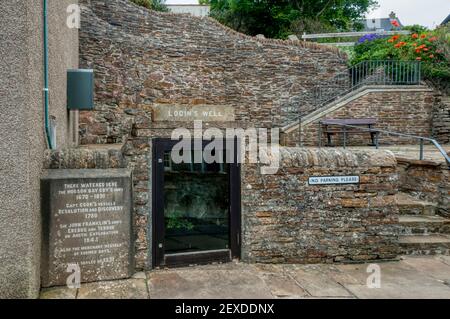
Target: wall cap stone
(332, 158)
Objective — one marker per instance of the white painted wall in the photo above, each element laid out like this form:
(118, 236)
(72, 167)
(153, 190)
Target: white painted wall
(195, 10)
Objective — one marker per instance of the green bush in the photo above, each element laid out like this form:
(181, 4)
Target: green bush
(143, 3)
(157, 5)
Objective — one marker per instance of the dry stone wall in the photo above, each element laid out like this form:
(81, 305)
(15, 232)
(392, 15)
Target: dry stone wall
(404, 111)
(288, 221)
(441, 119)
(143, 58)
(428, 181)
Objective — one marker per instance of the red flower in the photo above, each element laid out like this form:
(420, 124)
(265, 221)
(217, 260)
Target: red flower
(395, 23)
(431, 56)
(419, 58)
(395, 37)
(418, 50)
(423, 36)
(415, 36)
(414, 44)
(432, 39)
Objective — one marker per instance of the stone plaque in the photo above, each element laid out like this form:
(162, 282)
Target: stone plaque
(86, 226)
(188, 113)
(333, 180)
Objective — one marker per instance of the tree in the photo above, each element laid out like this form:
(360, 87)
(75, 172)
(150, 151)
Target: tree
(157, 5)
(278, 19)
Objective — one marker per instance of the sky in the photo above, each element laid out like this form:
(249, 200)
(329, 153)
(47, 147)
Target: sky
(428, 13)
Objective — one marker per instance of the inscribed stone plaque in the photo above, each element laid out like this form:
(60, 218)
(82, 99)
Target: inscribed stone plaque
(86, 225)
(188, 113)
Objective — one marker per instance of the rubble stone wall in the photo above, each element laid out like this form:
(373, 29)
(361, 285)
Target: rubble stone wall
(286, 220)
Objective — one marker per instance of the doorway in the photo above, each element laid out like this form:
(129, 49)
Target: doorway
(196, 206)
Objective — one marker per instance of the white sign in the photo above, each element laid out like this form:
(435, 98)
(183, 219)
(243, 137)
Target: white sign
(332, 180)
(189, 113)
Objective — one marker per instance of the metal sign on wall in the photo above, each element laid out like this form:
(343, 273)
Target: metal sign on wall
(333, 180)
(188, 113)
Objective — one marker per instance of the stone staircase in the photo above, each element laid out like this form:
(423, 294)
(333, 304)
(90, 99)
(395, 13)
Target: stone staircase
(421, 231)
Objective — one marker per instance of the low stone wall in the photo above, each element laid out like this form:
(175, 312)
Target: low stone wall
(287, 221)
(426, 180)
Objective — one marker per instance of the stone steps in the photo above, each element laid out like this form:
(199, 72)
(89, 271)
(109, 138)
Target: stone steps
(421, 231)
(423, 225)
(408, 205)
(425, 244)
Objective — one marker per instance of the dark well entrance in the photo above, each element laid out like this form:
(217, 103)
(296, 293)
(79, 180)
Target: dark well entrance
(196, 207)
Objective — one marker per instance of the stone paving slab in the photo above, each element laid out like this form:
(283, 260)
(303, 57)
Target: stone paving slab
(434, 267)
(58, 293)
(318, 281)
(412, 277)
(402, 280)
(201, 282)
(120, 289)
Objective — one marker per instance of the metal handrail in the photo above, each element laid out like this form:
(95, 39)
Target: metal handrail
(371, 72)
(352, 34)
(379, 131)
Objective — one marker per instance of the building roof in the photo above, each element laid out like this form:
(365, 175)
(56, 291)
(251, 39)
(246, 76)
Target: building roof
(380, 24)
(447, 20)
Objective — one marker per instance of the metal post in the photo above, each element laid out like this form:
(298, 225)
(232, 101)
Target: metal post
(320, 134)
(345, 136)
(421, 149)
(377, 142)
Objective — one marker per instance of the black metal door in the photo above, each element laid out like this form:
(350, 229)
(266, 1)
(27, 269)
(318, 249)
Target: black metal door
(196, 207)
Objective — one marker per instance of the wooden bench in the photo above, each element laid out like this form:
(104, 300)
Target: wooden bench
(340, 128)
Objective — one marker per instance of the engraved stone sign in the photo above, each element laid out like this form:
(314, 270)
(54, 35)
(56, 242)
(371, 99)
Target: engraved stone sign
(86, 226)
(188, 113)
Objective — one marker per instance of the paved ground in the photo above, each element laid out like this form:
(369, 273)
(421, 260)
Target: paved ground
(412, 277)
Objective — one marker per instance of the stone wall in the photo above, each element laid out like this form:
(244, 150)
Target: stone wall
(441, 119)
(426, 180)
(403, 110)
(287, 221)
(22, 126)
(143, 58)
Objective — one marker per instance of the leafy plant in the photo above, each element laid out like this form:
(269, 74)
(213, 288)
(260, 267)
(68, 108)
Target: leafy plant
(278, 19)
(177, 220)
(157, 5)
(431, 48)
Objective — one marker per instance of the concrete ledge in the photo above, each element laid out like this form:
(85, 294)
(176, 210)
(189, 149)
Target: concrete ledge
(86, 157)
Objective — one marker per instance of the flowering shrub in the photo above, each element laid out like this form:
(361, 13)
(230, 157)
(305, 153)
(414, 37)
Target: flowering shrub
(369, 38)
(427, 47)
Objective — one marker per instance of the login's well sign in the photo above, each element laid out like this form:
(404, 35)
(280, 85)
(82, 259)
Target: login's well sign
(86, 225)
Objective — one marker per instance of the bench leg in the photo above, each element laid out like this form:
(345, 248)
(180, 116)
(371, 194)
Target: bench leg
(330, 143)
(372, 136)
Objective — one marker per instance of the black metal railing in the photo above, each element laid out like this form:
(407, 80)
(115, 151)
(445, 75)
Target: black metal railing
(379, 132)
(373, 72)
